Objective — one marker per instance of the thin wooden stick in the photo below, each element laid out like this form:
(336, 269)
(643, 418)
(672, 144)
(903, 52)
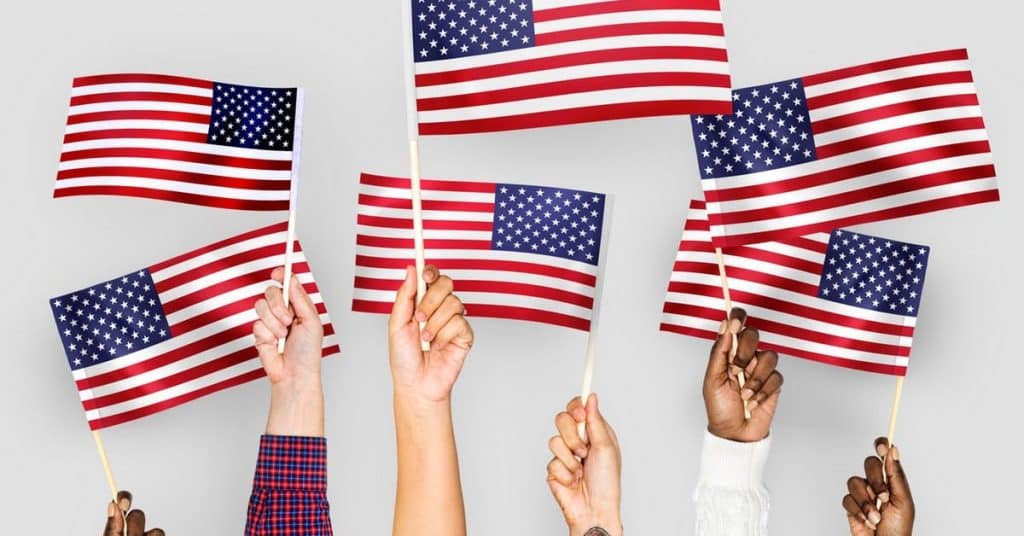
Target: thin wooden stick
(293, 203)
(413, 129)
(106, 464)
(595, 315)
(741, 377)
(895, 409)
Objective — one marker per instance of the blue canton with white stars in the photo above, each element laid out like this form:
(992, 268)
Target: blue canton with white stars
(252, 117)
(110, 320)
(770, 128)
(446, 29)
(874, 273)
(548, 221)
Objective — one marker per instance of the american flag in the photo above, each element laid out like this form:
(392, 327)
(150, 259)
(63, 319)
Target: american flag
(842, 298)
(179, 139)
(181, 329)
(514, 251)
(878, 141)
(491, 65)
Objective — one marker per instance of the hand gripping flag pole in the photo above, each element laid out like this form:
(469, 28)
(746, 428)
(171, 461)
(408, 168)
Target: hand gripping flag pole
(292, 203)
(414, 159)
(741, 377)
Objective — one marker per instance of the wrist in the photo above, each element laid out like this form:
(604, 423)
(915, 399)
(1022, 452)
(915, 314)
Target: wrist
(296, 408)
(595, 528)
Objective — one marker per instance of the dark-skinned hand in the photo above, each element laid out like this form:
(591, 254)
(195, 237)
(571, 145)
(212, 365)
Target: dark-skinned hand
(723, 397)
(891, 489)
(121, 514)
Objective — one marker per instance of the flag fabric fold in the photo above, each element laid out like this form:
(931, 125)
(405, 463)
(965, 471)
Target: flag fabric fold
(493, 65)
(878, 141)
(170, 333)
(179, 139)
(515, 251)
(841, 298)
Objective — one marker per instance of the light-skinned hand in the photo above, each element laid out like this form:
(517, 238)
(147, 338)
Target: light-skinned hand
(585, 475)
(427, 377)
(891, 489)
(723, 397)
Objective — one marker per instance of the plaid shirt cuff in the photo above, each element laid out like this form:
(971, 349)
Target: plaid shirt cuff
(292, 463)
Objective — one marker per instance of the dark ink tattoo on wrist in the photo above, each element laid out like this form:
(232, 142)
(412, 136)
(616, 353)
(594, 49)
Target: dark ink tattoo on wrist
(596, 531)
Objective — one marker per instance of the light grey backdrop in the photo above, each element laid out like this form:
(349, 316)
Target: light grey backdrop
(191, 467)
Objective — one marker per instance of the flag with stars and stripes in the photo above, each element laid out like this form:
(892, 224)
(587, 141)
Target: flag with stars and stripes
(492, 65)
(175, 331)
(180, 139)
(514, 251)
(842, 298)
(878, 141)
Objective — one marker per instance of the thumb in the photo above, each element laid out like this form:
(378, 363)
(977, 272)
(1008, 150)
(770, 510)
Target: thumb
(301, 303)
(899, 487)
(598, 431)
(405, 302)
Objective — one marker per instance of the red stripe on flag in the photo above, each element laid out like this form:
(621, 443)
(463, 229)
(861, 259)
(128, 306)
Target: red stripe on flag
(432, 224)
(893, 110)
(932, 205)
(887, 87)
(631, 28)
(270, 229)
(428, 204)
(482, 264)
(492, 311)
(166, 195)
(431, 244)
(174, 175)
(899, 134)
(239, 306)
(141, 96)
(585, 114)
(600, 8)
(578, 85)
(427, 184)
(885, 65)
(140, 115)
(222, 263)
(572, 60)
(135, 133)
(140, 78)
(492, 287)
(180, 156)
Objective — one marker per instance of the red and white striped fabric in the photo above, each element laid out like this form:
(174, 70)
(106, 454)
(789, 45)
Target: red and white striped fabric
(893, 138)
(178, 139)
(459, 228)
(175, 331)
(777, 284)
(588, 60)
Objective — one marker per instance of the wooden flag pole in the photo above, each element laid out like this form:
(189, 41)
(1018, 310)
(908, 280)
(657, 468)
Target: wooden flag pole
(106, 464)
(413, 129)
(895, 409)
(595, 315)
(293, 202)
(741, 377)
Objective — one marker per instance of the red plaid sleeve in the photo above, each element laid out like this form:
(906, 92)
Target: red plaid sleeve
(289, 491)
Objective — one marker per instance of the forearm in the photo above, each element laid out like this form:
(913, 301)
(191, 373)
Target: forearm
(296, 408)
(290, 488)
(429, 496)
(731, 497)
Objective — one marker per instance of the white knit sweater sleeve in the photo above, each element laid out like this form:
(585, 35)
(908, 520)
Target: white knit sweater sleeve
(731, 497)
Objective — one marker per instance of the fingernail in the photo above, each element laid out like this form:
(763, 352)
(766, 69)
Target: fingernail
(881, 449)
(581, 452)
(735, 325)
(884, 497)
(736, 370)
(752, 405)
(746, 394)
(124, 504)
(421, 316)
(427, 336)
(895, 454)
(871, 525)
(874, 518)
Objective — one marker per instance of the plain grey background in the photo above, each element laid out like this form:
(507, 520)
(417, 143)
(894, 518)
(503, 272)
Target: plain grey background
(191, 467)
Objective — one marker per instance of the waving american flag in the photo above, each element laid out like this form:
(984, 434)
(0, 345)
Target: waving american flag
(490, 65)
(878, 141)
(514, 251)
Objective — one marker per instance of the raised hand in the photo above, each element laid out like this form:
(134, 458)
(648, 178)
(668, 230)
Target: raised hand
(890, 489)
(723, 397)
(122, 520)
(585, 476)
(296, 406)
(428, 376)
